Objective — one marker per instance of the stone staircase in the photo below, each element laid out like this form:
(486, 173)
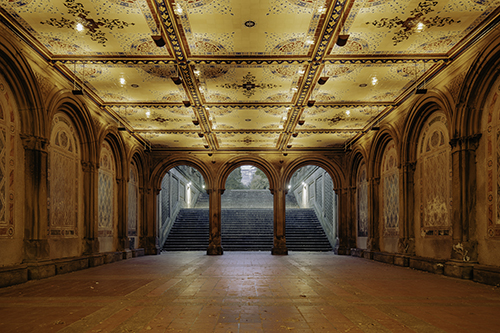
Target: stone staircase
(249, 228)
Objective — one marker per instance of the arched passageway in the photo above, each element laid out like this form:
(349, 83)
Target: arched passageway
(311, 211)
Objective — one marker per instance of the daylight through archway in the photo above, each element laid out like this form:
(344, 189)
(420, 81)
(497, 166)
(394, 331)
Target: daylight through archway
(311, 211)
(183, 210)
(247, 211)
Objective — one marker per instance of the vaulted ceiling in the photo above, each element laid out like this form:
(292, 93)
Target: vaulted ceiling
(243, 74)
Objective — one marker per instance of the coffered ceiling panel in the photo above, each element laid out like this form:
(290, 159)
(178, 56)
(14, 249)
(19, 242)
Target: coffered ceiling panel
(176, 140)
(157, 117)
(321, 139)
(262, 118)
(235, 75)
(412, 26)
(367, 82)
(339, 117)
(250, 84)
(88, 27)
(234, 27)
(247, 140)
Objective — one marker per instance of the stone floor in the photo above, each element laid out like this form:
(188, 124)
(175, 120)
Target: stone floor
(249, 292)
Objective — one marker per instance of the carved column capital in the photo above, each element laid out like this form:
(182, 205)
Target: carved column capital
(88, 166)
(31, 142)
(470, 142)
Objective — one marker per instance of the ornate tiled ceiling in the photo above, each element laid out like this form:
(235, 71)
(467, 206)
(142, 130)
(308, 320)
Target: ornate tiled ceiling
(248, 70)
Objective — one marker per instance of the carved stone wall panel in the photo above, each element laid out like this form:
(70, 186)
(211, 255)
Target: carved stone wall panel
(133, 196)
(8, 132)
(390, 191)
(491, 128)
(63, 179)
(362, 201)
(106, 191)
(434, 174)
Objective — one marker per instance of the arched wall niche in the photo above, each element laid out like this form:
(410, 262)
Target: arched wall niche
(13, 180)
(65, 227)
(107, 198)
(433, 179)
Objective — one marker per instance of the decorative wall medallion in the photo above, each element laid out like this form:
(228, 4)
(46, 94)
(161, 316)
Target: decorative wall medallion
(91, 26)
(409, 26)
(248, 85)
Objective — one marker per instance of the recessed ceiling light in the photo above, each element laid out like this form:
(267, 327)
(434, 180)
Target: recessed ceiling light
(347, 112)
(122, 81)
(148, 114)
(79, 27)
(374, 80)
(249, 24)
(420, 27)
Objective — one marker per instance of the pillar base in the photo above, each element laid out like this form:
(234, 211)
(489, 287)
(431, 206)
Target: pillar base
(215, 250)
(279, 251)
(35, 250)
(343, 251)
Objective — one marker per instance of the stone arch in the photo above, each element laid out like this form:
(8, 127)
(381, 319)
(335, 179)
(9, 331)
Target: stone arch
(475, 87)
(80, 116)
(258, 162)
(24, 86)
(171, 162)
(418, 115)
(331, 167)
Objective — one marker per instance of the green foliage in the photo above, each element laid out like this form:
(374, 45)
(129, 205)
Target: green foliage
(233, 182)
(259, 181)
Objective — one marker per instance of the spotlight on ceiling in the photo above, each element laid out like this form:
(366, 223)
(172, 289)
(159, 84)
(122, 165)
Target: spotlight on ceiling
(196, 122)
(322, 80)
(301, 122)
(310, 103)
(420, 91)
(159, 41)
(206, 146)
(295, 134)
(177, 80)
(186, 103)
(342, 40)
(289, 146)
(201, 135)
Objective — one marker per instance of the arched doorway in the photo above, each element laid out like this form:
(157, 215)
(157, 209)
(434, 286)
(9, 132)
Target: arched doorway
(183, 210)
(311, 211)
(247, 211)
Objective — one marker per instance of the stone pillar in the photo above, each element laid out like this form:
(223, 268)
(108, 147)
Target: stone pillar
(279, 207)
(373, 214)
(215, 210)
(464, 186)
(343, 222)
(122, 227)
(406, 244)
(149, 240)
(90, 204)
(36, 246)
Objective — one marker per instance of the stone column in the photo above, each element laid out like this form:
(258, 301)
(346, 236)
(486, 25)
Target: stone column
(464, 186)
(90, 204)
(36, 246)
(279, 207)
(406, 244)
(215, 210)
(343, 222)
(150, 241)
(373, 214)
(122, 227)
